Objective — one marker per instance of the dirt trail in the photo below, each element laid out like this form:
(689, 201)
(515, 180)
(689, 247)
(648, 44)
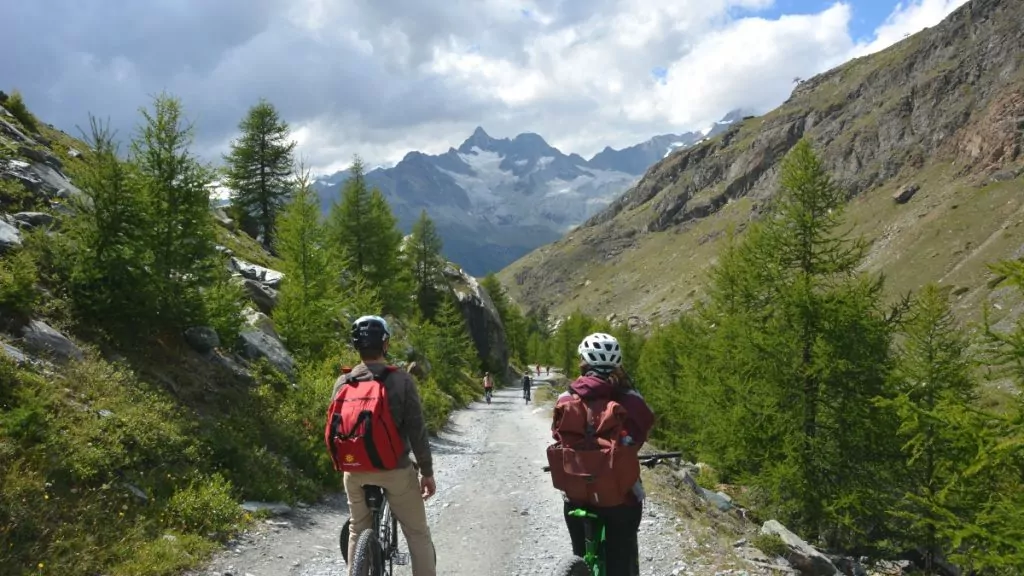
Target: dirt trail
(495, 511)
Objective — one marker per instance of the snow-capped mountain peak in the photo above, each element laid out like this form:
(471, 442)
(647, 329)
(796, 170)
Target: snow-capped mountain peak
(495, 199)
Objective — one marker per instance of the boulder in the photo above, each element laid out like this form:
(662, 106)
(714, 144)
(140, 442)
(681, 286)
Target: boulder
(10, 237)
(250, 271)
(41, 156)
(41, 179)
(258, 344)
(721, 500)
(223, 219)
(13, 353)
(39, 337)
(801, 555)
(263, 296)
(202, 338)
(903, 195)
(12, 133)
(33, 219)
(260, 321)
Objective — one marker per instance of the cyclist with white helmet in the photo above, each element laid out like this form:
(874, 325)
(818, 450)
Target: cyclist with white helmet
(602, 376)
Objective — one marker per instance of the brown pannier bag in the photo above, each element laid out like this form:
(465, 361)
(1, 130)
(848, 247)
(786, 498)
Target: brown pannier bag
(588, 460)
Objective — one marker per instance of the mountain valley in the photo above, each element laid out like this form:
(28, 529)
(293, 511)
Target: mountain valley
(496, 199)
(926, 137)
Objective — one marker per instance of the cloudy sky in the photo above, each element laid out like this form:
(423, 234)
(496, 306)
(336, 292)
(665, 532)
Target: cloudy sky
(382, 77)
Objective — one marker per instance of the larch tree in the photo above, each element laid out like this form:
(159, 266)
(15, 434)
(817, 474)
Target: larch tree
(422, 254)
(176, 184)
(310, 298)
(259, 167)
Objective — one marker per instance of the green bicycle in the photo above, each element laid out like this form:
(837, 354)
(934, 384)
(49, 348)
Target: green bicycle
(592, 563)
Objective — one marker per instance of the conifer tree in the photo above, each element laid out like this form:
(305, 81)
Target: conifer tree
(512, 319)
(989, 539)
(938, 425)
(107, 255)
(449, 348)
(800, 350)
(310, 296)
(176, 184)
(423, 256)
(364, 232)
(259, 167)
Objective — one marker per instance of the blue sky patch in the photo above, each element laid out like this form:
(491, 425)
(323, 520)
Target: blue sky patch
(867, 14)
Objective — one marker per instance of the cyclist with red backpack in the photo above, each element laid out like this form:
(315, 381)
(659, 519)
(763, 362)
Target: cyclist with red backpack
(373, 423)
(599, 426)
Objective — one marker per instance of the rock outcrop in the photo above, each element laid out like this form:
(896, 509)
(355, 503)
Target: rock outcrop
(948, 100)
(482, 318)
(38, 337)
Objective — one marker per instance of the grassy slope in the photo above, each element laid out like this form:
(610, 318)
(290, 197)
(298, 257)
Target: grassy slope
(956, 224)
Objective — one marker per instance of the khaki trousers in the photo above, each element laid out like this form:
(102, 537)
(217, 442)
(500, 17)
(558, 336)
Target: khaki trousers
(402, 490)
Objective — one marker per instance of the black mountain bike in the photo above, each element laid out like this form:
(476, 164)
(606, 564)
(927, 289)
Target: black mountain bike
(377, 548)
(592, 563)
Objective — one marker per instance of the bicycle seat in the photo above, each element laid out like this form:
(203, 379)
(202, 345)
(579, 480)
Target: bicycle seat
(374, 496)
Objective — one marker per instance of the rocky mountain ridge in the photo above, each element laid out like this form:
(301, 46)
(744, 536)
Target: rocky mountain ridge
(495, 199)
(936, 120)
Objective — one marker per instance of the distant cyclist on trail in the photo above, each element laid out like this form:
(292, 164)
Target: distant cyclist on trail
(602, 397)
(488, 385)
(527, 383)
(373, 385)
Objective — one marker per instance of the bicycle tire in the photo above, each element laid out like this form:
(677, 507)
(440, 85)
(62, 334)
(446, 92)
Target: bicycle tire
(572, 566)
(367, 558)
(343, 539)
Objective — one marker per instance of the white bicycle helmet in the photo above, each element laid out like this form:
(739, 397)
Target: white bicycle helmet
(601, 351)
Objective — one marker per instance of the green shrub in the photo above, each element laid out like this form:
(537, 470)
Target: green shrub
(18, 277)
(436, 405)
(15, 104)
(771, 544)
(205, 506)
(222, 307)
(707, 477)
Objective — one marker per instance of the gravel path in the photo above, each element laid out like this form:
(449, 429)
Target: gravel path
(495, 512)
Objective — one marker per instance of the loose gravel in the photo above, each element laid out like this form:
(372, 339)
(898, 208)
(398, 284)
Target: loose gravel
(495, 511)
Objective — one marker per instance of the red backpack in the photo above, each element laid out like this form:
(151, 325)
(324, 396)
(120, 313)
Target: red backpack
(588, 460)
(361, 434)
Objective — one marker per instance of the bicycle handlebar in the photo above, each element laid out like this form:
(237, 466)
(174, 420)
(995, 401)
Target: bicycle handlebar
(649, 460)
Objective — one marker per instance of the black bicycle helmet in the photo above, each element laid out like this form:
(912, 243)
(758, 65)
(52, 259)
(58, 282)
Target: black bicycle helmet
(370, 333)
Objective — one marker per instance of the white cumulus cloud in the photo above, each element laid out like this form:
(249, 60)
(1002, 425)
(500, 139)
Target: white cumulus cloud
(383, 77)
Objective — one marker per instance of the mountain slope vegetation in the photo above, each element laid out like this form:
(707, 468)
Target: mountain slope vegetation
(935, 119)
(156, 366)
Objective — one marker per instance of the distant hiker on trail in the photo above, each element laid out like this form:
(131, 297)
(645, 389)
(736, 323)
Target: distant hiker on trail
(538, 369)
(389, 394)
(603, 393)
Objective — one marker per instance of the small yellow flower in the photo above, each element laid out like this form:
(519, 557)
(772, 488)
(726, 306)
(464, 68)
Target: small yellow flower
(46, 496)
(41, 565)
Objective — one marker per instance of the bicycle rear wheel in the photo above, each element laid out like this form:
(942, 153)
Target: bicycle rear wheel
(571, 566)
(367, 561)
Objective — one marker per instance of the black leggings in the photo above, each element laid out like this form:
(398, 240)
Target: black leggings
(622, 550)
